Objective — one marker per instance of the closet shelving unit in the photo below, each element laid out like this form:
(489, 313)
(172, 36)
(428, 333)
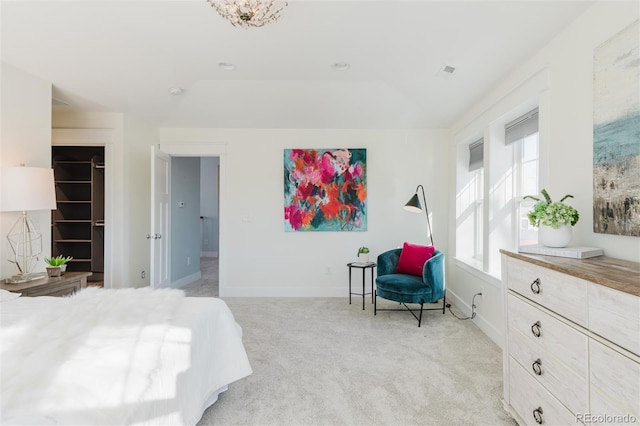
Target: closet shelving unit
(78, 222)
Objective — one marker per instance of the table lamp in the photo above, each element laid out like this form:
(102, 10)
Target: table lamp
(24, 189)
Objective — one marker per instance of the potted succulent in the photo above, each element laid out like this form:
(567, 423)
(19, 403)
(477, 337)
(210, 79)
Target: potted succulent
(553, 219)
(363, 254)
(57, 265)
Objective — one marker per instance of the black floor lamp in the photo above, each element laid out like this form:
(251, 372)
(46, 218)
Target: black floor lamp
(414, 206)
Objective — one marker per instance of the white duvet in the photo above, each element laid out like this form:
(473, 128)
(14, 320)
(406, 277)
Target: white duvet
(131, 356)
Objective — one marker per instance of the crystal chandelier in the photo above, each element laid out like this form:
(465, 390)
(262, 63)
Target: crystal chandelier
(249, 13)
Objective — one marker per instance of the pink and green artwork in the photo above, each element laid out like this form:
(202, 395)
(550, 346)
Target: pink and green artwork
(325, 189)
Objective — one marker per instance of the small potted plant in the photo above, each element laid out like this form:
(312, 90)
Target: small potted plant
(553, 219)
(363, 254)
(57, 265)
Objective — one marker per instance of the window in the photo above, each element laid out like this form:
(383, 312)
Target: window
(493, 175)
(523, 134)
(469, 204)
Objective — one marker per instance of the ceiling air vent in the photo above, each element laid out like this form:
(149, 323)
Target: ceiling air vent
(446, 71)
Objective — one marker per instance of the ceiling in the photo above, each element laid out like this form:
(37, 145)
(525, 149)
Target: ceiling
(124, 56)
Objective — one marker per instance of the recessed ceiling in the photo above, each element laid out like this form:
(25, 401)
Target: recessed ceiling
(124, 55)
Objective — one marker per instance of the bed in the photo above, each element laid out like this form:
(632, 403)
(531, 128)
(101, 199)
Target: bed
(129, 356)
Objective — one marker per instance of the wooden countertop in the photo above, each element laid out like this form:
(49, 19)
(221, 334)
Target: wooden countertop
(622, 275)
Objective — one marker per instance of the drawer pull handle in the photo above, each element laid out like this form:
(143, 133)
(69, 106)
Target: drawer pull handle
(537, 415)
(537, 367)
(535, 329)
(535, 286)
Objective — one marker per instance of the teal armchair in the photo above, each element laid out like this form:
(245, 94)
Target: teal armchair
(403, 288)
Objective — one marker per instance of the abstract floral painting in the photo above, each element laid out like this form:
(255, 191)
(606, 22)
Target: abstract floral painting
(616, 134)
(325, 189)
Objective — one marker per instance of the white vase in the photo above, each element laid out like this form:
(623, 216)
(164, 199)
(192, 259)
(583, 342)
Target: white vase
(363, 257)
(550, 237)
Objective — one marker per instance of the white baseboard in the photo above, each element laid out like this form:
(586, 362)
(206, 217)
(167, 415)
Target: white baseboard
(208, 254)
(186, 280)
(487, 328)
(341, 291)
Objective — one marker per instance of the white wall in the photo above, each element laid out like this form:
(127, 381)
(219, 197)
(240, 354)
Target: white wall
(561, 76)
(138, 136)
(127, 196)
(258, 258)
(25, 138)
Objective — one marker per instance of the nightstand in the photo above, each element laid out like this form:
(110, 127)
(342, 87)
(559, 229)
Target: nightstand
(65, 285)
(364, 266)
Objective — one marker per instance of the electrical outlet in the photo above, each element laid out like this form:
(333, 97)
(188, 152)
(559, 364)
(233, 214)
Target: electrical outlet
(142, 274)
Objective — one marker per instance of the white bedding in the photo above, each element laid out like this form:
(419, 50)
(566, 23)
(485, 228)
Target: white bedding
(131, 356)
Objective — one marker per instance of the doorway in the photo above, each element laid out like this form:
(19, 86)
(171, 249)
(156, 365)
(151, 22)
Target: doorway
(210, 278)
(193, 224)
(78, 223)
(209, 228)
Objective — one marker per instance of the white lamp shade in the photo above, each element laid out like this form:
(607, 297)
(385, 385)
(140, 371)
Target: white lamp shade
(26, 188)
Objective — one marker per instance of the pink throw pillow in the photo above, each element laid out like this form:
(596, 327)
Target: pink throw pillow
(413, 258)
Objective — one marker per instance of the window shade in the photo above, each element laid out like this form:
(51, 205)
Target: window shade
(476, 154)
(521, 127)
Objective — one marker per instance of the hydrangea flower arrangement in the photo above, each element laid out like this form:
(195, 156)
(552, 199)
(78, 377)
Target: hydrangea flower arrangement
(553, 214)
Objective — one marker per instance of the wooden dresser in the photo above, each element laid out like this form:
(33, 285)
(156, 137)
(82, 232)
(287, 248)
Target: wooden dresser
(65, 285)
(572, 339)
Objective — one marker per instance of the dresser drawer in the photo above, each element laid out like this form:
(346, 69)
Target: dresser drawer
(567, 344)
(561, 293)
(529, 398)
(615, 383)
(616, 316)
(545, 367)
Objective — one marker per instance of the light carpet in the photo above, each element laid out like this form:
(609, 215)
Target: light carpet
(207, 285)
(322, 361)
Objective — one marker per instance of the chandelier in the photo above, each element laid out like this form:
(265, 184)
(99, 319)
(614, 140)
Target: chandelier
(249, 13)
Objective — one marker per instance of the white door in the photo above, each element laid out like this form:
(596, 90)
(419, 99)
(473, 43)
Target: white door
(160, 220)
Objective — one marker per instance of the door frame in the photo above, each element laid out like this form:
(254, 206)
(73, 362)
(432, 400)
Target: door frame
(206, 150)
(105, 138)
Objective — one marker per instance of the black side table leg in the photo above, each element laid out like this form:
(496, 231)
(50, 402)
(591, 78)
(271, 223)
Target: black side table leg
(364, 274)
(372, 283)
(349, 284)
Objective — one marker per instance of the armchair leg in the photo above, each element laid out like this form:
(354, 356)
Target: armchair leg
(420, 319)
(444, 302)
(375, 303)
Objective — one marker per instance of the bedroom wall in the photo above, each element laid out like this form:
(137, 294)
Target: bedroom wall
(566, 162)
(138, 136)
(258, 258)
(185, 220)
(130, 195)
(25, 138)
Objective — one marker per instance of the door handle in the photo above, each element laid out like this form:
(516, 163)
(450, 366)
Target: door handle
(158, 236)
(149, 237)
(154, 236)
